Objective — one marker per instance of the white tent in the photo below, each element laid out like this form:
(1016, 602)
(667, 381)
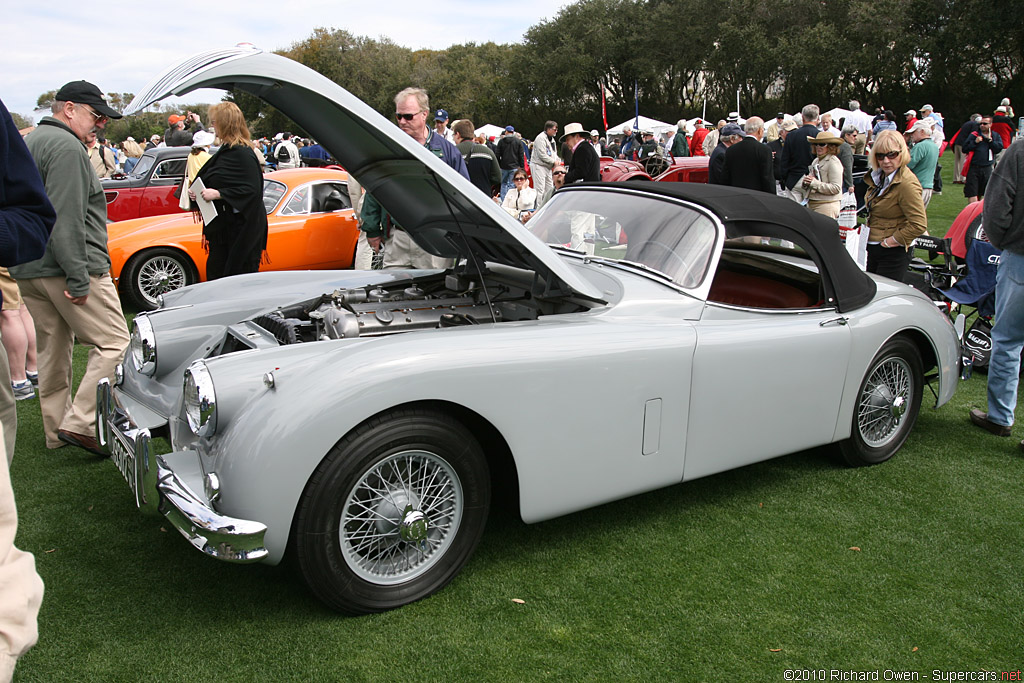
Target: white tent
(653, 125)
(489, 129)
(838, 114)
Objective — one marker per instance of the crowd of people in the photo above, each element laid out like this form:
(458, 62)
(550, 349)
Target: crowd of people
(58, 288)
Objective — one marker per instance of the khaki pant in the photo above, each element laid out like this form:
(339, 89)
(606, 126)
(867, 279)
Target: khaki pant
(22, 588)
(402, 252)
(99, 323)
(8, 410)
(542, 183)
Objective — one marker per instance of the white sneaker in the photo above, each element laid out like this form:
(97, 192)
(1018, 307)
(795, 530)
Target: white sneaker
(23, 390)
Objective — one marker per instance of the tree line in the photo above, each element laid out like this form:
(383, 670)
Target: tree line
(680, 57)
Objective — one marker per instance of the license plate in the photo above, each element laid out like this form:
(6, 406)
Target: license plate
(123, 455)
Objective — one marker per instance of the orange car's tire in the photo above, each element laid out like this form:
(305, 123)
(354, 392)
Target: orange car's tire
(154, 272)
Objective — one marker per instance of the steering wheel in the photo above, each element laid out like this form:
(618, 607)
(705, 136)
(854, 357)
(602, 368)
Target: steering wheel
(655, 164)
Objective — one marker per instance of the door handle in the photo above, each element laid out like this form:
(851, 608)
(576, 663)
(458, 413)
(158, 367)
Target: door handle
(834, 321)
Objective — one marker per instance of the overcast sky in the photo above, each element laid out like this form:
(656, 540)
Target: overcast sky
(120, 46)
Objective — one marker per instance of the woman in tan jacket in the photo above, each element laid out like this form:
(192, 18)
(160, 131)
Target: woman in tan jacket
(824, 180)
(896, 214)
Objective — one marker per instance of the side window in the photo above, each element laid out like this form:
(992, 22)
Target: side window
(328, 197)
(172, 168)
(298, 203)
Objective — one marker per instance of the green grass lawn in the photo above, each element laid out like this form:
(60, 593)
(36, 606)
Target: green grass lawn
(796, 563)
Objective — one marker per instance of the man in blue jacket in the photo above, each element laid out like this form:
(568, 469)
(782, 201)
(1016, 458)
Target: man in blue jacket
(411, 108)
(983, 146)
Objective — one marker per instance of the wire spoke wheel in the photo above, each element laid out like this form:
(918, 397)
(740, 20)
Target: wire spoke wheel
(887, 404)
(159, 275)
(400, 517)
(884, 403)
(393, 511)
(155, 272)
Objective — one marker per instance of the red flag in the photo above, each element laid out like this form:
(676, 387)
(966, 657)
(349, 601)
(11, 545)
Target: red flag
(604, 113)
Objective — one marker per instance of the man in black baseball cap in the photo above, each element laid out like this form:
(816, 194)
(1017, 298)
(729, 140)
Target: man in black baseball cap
(84, 92)
(69, 291)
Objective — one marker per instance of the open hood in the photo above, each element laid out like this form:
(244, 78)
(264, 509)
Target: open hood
(443, 212)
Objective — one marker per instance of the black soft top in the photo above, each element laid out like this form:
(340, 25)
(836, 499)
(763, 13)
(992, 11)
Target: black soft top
(750, 212)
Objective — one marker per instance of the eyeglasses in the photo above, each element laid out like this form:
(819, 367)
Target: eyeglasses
(558, 173)
(98, 117)
(518, 179)
(887, 155)
(406, 117)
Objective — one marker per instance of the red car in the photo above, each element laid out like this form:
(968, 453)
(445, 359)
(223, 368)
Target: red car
(149, 189)
(682, 169)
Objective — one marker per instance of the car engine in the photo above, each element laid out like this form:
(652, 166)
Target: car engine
(375, 311)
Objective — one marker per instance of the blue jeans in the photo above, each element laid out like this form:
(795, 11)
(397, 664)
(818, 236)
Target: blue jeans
(1007, 339)
(506, 181)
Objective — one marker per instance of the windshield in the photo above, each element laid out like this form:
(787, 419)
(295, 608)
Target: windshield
(142, 168)
(272, 193)
(669, 237)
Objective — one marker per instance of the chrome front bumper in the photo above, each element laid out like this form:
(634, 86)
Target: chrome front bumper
(157, 487)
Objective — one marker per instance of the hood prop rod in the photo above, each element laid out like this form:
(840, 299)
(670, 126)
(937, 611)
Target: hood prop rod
(465, 240)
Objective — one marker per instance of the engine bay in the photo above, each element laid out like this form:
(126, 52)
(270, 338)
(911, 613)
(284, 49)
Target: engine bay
(448, 300)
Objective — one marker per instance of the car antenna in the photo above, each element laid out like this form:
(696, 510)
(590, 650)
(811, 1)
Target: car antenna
(465, 240)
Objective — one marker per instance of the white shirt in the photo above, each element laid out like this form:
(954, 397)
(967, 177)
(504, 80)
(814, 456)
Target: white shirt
(860, 120)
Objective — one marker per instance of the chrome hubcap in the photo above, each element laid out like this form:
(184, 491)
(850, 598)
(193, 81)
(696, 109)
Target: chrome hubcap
(401, 517)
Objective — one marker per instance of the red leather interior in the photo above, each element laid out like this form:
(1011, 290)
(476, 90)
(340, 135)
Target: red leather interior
(740, 289)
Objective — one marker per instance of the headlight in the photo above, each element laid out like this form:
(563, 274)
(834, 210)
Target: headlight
(200, 399)
(143, 345)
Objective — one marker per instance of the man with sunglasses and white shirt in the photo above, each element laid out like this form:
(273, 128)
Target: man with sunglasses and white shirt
(69, 291)
(411, 109)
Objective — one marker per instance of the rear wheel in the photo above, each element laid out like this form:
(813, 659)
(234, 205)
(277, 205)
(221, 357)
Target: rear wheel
(887, 404)
(393, 512)
(155, 272)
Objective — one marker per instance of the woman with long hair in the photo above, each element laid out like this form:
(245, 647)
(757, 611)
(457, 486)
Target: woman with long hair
(233, 181)
(132, 152)
(896, 214)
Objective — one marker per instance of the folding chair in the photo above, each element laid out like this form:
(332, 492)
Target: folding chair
(977, 288)
(928, 277)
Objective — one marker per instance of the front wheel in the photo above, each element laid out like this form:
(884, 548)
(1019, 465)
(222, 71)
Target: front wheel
(393, 512)
(887, 404)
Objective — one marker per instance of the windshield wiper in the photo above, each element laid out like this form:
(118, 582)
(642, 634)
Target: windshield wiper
(629, 265)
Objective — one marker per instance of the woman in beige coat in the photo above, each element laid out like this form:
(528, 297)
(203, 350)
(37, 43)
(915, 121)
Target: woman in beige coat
(824, 180)
(896, 215)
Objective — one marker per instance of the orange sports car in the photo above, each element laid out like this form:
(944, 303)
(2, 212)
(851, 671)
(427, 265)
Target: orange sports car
(312, 227)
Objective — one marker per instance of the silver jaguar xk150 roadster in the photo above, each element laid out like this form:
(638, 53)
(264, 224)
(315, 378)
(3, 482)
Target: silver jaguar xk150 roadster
(360, 419)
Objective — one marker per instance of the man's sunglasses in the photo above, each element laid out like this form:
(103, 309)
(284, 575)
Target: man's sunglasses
(95, 114)
(405, 117)
(887, 155)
